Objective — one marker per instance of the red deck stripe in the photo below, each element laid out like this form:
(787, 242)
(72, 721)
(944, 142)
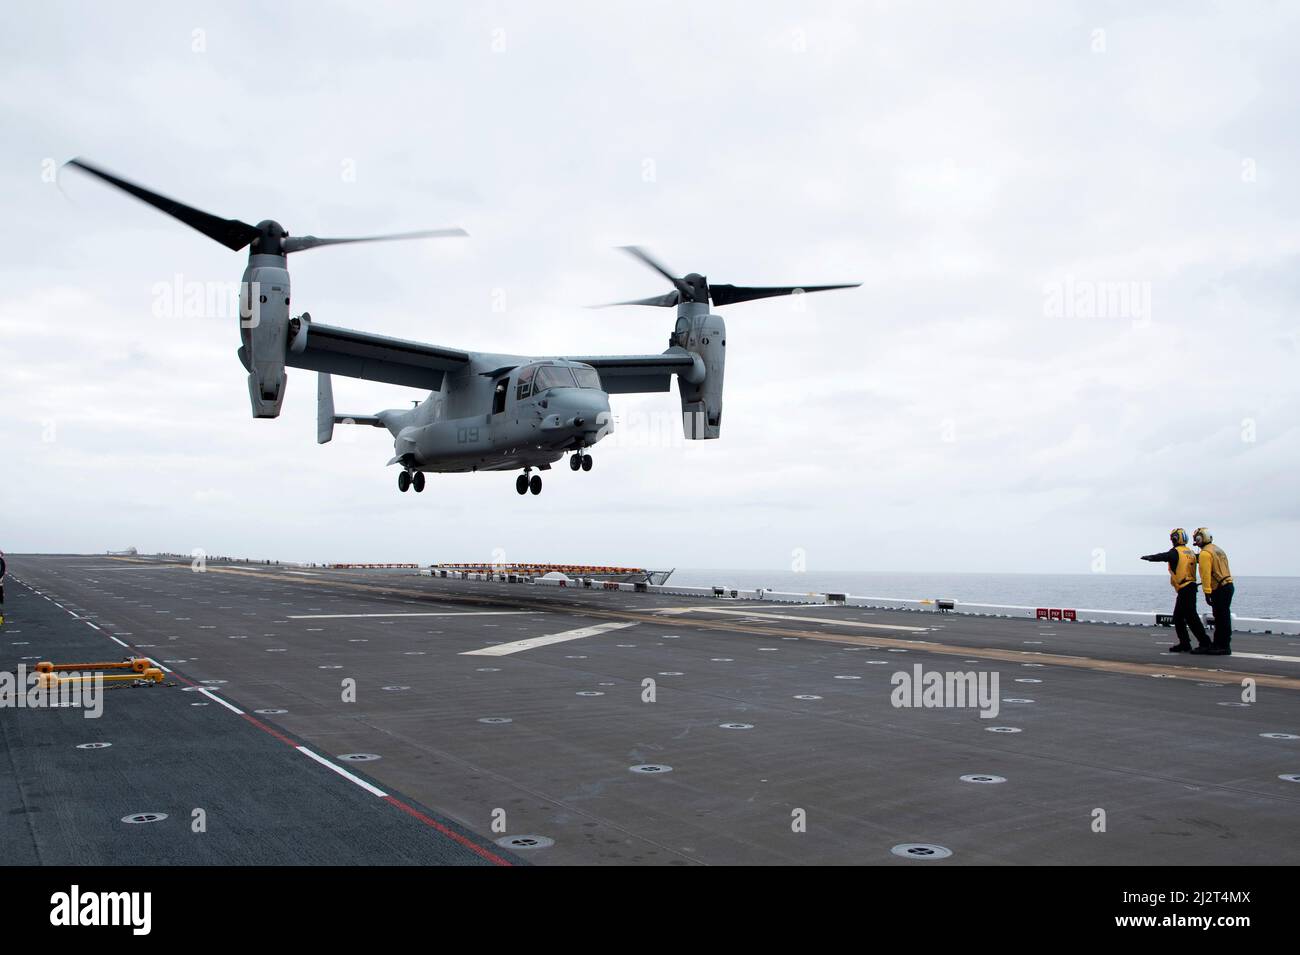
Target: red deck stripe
(449, 833)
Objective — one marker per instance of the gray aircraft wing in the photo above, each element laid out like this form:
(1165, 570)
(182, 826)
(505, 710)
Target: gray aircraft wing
(353, 354)
(626, 374)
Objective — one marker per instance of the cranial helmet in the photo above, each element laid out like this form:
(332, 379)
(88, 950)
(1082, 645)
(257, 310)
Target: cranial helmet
(1202, 536)
(1178, 536)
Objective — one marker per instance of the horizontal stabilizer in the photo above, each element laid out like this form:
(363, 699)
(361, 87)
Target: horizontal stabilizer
(373, 420)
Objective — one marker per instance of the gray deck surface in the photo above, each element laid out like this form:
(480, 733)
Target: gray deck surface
(1115, 724)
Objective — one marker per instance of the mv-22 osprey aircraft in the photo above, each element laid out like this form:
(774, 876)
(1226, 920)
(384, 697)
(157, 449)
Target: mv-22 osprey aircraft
(484, 412)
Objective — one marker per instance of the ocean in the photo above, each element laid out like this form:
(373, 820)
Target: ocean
(1268, 597)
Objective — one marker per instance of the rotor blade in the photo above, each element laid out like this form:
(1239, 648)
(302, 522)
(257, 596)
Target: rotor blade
(730, 294)
(231, 233)
(667, 300)
(648, 259)
(299, 243)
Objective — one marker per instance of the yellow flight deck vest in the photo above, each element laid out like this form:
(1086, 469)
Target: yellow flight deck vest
(1214, 568)
(1184, 572)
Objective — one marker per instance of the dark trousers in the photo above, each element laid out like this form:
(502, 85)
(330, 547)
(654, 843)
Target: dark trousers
(1221, 604)
(1185, 617)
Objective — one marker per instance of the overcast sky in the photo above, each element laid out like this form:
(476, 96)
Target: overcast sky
(995, 174)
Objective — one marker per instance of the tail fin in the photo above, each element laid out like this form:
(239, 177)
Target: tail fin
(326, 419)
(324, 408)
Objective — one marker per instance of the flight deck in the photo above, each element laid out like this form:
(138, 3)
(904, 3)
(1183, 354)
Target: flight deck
(310, 715)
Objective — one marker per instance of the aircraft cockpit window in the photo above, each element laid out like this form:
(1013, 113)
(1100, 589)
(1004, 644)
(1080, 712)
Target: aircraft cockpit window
(553, 376)
(587, 378)
(525, 386)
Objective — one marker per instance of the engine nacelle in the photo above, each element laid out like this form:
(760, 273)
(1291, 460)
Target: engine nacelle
(264, 326)
(705, 336)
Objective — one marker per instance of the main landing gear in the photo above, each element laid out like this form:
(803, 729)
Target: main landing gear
(579, 460)
(524, 484)
(406, 480)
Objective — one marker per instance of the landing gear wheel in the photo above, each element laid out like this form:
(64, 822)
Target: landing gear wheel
(535, 485)
(575, 462)
(417, 482)
(404, 481)
(521, 484)
(586, 462)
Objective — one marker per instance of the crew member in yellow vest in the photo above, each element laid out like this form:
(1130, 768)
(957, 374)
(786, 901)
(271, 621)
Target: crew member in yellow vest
(1182, 575)
(1216, 581)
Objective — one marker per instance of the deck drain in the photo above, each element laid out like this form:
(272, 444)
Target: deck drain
(93, 745)
(670, 673)
(495, 719)
(212, 682)
(774, 649)
(848, 676)
(606, 684)
(487, 669)
(626, 646)
(1232, 703)
(807, 696)
(137, 817)
(1290, 777)
(896, 651)
(575, 656)
(413, 653)
(735, 726)
(1033, 664)
(198, 704)
(651, 768)
(1028, 679)
(359, 757)
(1269, 736)
(329, 666)
(270, 712)
(525, 842)
(1002, 729)
(921, 850)
(394, 688)
(721, 660)
(590, 693)
(878, 662)
(277, 649)
(983, 778)
(1016, 699)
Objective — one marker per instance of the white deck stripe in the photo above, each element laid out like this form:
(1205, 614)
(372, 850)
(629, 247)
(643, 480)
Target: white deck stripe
(502, 649)
(117, 641)
(1265, 656)
(441, 613)
(374, 791)
(212, 696)
(829, 623)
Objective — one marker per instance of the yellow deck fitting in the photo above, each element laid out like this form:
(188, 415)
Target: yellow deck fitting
(138, 664)
(47, 679)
